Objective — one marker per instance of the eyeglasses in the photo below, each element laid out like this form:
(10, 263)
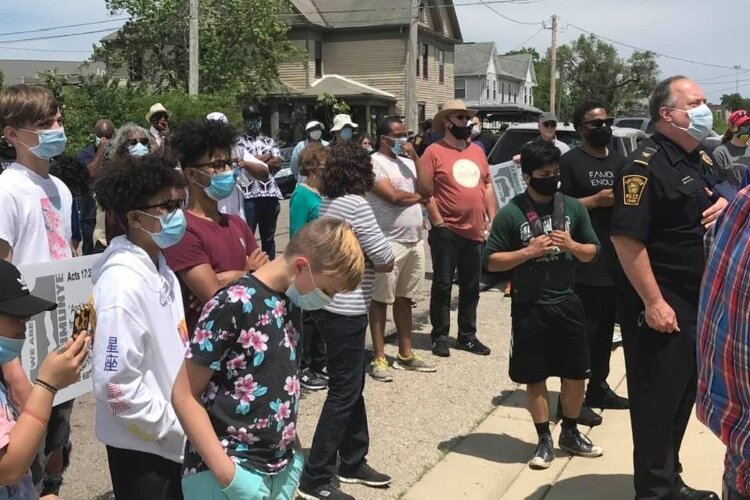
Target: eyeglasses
(216, 166)
(133, 142)
(169, 206)
(598, 123)
(550, 124)
(462, 117)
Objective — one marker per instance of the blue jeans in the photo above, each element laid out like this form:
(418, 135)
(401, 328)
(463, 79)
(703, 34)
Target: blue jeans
(262, 214)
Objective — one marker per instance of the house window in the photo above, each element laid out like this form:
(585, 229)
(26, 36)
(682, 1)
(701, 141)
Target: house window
(494, 90)
(460, 90)
(515, 95)
(135, 69)
(441, 65)
(422, 108)
(487, 89)
(502, 92)
(318, 59)
(525, 95)
(425, 54)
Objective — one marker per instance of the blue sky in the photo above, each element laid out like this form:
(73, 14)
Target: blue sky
(681, 28)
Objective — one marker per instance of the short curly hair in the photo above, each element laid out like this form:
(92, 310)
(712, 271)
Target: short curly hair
(72, 172)
(202, 137)
(348, 171)
(130, 182)
(313, 156)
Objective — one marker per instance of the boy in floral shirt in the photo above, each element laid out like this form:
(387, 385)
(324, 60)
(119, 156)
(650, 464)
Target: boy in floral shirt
(237, 394)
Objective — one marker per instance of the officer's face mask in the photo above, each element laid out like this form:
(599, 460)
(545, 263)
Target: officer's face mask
(701, 121)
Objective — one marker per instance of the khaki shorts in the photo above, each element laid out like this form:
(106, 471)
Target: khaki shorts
(407, 276)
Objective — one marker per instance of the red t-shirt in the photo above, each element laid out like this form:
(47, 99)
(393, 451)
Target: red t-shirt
(224, 246)
(460, 178)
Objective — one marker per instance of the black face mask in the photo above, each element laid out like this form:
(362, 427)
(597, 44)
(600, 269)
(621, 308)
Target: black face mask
(600, 137)
(546, 186)
(459, 132)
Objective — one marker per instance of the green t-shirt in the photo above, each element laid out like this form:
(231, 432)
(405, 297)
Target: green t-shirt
(304, 206)
(548, 279)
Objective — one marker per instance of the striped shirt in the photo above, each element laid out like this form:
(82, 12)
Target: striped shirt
(357, 211)
(723, 398)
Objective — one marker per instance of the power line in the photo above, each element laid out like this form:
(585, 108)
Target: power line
(53, 28)
(520, 45)
(486, 3)
(28, 49)
(435, 6)
(50, 37)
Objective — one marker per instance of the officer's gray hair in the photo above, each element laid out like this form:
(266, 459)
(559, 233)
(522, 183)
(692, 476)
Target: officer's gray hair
(662, 96)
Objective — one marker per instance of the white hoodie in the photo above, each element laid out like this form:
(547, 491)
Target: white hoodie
(139, 347)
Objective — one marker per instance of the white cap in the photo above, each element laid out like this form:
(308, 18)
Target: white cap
(314, 124)
(340, 121)
(219, 117)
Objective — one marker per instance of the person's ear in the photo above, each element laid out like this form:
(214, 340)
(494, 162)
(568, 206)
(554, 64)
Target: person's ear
(10, 133)
(664, 113)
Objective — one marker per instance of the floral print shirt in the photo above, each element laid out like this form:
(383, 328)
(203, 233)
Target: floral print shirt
(248, 334)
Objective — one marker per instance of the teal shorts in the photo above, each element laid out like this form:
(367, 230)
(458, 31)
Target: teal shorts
(246, 485)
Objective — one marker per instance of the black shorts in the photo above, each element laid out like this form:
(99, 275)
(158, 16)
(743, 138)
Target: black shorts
(549, 341)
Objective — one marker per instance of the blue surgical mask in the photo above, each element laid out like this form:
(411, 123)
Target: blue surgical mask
(311, 301)
(346, 134)
(51, 143)
(10, 349)
(398, 146)
(221, 186)
(701, 121)
(173, 228)
(138, 150)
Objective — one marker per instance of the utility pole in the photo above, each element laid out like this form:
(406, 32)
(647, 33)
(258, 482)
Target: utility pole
(737, 79)
(193, 57)
(410, 91)
(553, 66)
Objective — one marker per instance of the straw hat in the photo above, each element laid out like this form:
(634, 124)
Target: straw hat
(448, 108)
(157, 108)
(340, 121)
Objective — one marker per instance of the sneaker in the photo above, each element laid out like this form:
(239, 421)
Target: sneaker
(323, 373)
(365, 475)
(415, 363)
(575, 443)
(325, 492)
(474, 346)
(379, 370)
(586, 416)
(311, 381)
(544, 454)
(440, 347)
(609, 401)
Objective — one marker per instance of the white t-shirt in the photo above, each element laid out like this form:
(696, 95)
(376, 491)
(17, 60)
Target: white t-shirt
(398, 223)
(35, 216)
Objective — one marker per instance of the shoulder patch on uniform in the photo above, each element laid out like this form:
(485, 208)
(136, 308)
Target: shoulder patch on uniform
(706, 158)
(633, 189)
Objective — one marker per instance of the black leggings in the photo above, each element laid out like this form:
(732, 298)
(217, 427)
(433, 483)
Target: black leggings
(137, 475)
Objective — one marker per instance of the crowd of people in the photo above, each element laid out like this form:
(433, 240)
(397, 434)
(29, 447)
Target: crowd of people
(204, 337)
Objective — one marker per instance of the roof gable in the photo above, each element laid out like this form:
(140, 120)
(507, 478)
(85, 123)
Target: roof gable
(515, 66)
(472, 59)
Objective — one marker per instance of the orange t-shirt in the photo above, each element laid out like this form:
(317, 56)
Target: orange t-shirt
(460, 178)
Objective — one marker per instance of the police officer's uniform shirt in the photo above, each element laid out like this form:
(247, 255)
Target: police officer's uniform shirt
(583, 175)
(659, 199)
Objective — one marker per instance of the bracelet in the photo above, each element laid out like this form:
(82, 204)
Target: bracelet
(47, 386)
(35, 417)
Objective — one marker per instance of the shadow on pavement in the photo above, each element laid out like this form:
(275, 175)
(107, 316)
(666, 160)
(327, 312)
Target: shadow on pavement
(500, 448)
(589, 486)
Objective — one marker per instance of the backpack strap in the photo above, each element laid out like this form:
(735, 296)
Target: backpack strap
(535, 223)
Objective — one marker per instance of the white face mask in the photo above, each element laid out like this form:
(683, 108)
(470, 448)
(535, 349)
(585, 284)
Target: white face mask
(315, 135)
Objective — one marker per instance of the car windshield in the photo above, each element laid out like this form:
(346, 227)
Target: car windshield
(512, 141)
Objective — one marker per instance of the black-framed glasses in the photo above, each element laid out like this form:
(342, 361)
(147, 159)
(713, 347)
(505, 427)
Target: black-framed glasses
(217, 165)
(550, 124)
(462, 117)
(599, 122)
(133, 142)
(170, 206)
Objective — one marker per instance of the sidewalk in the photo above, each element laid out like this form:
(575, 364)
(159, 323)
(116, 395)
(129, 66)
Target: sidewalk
(490, 463)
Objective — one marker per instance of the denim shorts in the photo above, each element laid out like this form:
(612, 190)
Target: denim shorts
(246, 485)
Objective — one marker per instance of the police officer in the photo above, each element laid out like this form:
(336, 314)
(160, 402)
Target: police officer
(663, 205)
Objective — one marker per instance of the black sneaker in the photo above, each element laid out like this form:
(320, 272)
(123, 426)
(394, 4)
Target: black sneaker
(474, 346)
(323, 373)
(325, 492)
(365, 475)
(311, 381)
(586, 416)
(544, 454)
(609, 401)
(685, 492)
(575, 443)
(440, 347)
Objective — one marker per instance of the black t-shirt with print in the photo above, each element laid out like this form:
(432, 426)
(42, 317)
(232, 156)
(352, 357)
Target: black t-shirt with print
(583, 175)
(248, 334)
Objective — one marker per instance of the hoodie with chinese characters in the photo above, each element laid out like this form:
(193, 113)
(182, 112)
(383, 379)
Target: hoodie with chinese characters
(139, 346)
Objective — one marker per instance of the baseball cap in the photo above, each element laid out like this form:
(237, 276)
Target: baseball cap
(547, 116)
(15, 299)
(217, 116)
(739, 118)
(314, 124)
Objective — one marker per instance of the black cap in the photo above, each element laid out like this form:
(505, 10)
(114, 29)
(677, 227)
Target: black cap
(15, 299)
(250, 111)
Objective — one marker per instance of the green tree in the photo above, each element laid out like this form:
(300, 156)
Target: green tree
(241, 44)
(733, 102)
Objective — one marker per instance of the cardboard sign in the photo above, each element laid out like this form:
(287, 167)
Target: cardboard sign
(68, 283)
(507, 181)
